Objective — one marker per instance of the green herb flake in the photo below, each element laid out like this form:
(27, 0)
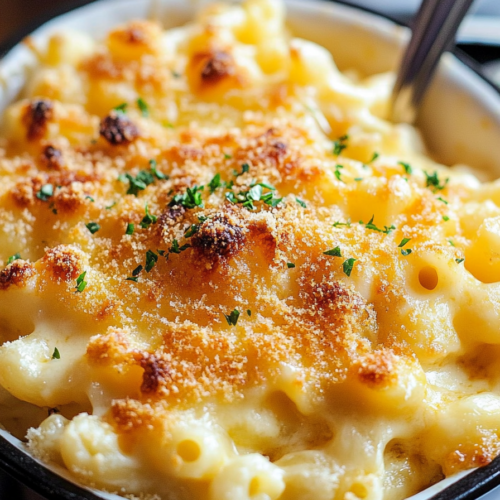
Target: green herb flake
(109, 207)
(340, 224)
(459, 261)
(290, 265)
(137, 270)
(88, 197)
(81, 283)
(151, 260)
(370, 225)
(374, 157)
(46, 192)
(338, 173)
(249, 312)
(153, 167)
(405, 251)
(446, 218)
(232, 318)
(143, 107)
(340, 144)
(432, 181)
(190, 199)
(148, 219)
(348, 265)
(245, 168)
(358, 179)
(121, 108)
(300, 202)
(406, 166)
(175, 248)
(192, 231)
(138, 183)
(93, 227)
(404, 241)
(334, 252)
(12, 258)
(130, 229)
(443, 200)
(132, 278)
(56, 354)
(227, 157)
(255, 193)
(451, 243)
(215, 183)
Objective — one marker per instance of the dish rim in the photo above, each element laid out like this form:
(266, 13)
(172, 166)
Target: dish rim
(46, 482)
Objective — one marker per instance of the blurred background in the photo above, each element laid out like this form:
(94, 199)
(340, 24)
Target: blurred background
(479, 37)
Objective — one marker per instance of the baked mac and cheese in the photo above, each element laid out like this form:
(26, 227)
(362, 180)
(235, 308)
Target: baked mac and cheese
(225, 275)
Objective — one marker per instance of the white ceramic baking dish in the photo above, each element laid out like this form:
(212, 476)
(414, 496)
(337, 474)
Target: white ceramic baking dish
(460, 121)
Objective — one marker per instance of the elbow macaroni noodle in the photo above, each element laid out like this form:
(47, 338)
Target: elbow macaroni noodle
(224, 274)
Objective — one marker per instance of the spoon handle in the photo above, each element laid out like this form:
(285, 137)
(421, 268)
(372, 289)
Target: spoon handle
(434, 30)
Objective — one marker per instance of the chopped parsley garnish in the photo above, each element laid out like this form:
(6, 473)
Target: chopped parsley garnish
(232, 318)
(373, 227)
(406, 166)
(348, 265)
(215, 183)
(338, 173)
(151, 260)
(154, 171)
(446, 218)
(88, 197)
(334, 252)
(245, 168)
(132, 278)
(192, 231)
(190, 199)
(432, 181)
(443, 200)
(255, 193)
(143, 107)
(122, 108)
(138, 183)
(374, 157)
(405, 251)
(340, 224)
(290, 265)
(81, 283)
(56, 354)
(227, 157)
(357, 179)
(130, 228)
(459, 261)
(175, 248)
(137, 270)
(14, 257)
(340, 144)
(46, 192)
(451, 243)
(109, 207)
(300, 202)
(249, 312)
(148, 219)
(93, 227)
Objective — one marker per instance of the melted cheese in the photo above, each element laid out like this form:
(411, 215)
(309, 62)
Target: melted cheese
(235, 278)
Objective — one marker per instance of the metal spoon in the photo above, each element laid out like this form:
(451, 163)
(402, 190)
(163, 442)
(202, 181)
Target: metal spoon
(434, 30)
